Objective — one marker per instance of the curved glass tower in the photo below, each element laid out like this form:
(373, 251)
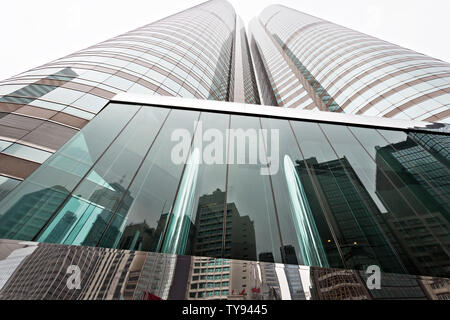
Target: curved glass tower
(318, 65)
(196, 53)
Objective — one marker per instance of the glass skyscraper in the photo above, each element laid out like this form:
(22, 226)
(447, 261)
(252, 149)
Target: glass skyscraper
(352, 172)
(314, 64)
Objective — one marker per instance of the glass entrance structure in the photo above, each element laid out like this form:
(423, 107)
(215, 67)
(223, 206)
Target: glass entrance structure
(341, 194)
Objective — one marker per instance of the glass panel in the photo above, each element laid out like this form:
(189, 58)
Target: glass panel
(90, 103)
(26, 210)
(304, 231)
(79, 113)
(360, 169)
(6, 185)
(63, 95)
(143, 221)
(204, 184)
(337, 196)
(47, 105)
(25, 152)
(407, 218)
(90, 210)
(4, 144)
(50, 135)
(418, 216)
(250, 208)
(425, 161)
(342, 195)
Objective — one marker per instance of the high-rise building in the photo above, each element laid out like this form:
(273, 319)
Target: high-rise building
(196, 53)
(333, 284)
(93, 153)
(212, 223)
(315, 64)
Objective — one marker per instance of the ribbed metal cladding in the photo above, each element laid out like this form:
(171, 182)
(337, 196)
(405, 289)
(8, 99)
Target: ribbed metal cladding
(348, 71)
(189, 54)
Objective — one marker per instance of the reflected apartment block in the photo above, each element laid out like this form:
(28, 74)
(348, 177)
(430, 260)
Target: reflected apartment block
(436, 289)
(209, 279)
(228, 279)
(153, 278)
(333, 284)
(294, 282)
(239, 238)
(39, 272)
(42, 274)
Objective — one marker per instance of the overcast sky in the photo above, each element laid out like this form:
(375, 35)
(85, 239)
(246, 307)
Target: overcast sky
(35, 32)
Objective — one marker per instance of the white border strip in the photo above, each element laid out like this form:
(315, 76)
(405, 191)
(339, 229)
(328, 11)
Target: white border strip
(278, 112)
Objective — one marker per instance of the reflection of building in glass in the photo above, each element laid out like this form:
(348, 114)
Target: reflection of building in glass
(217, 278)
(336, 284)
(424, 160)
(246, 281)
(436, 288)
(153, 277)
(292, 272)
(137, 236)
(291, 257)
(108, 198)
(210, 224)
(42, 274)
(19, 214)
(209, 279)
(396, 286)
(39, 271)
(270, 280)
(239, 239)
(11, 256)
(266, 257)
(419, 172)
(141, 236)
(294, 282)
(351, 215)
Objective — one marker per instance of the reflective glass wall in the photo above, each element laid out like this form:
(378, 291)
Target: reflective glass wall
(243, 187)
(37, 271)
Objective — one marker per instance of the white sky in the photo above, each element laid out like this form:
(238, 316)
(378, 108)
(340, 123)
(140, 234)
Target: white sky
(35, 32)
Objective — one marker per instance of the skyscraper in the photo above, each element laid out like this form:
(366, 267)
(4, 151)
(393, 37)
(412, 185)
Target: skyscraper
(315, 64)
(196, 53)
(315, 183)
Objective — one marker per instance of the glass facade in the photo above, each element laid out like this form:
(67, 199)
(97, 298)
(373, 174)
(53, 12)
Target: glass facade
(335, 195)
(37, 271)
(314, 64)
